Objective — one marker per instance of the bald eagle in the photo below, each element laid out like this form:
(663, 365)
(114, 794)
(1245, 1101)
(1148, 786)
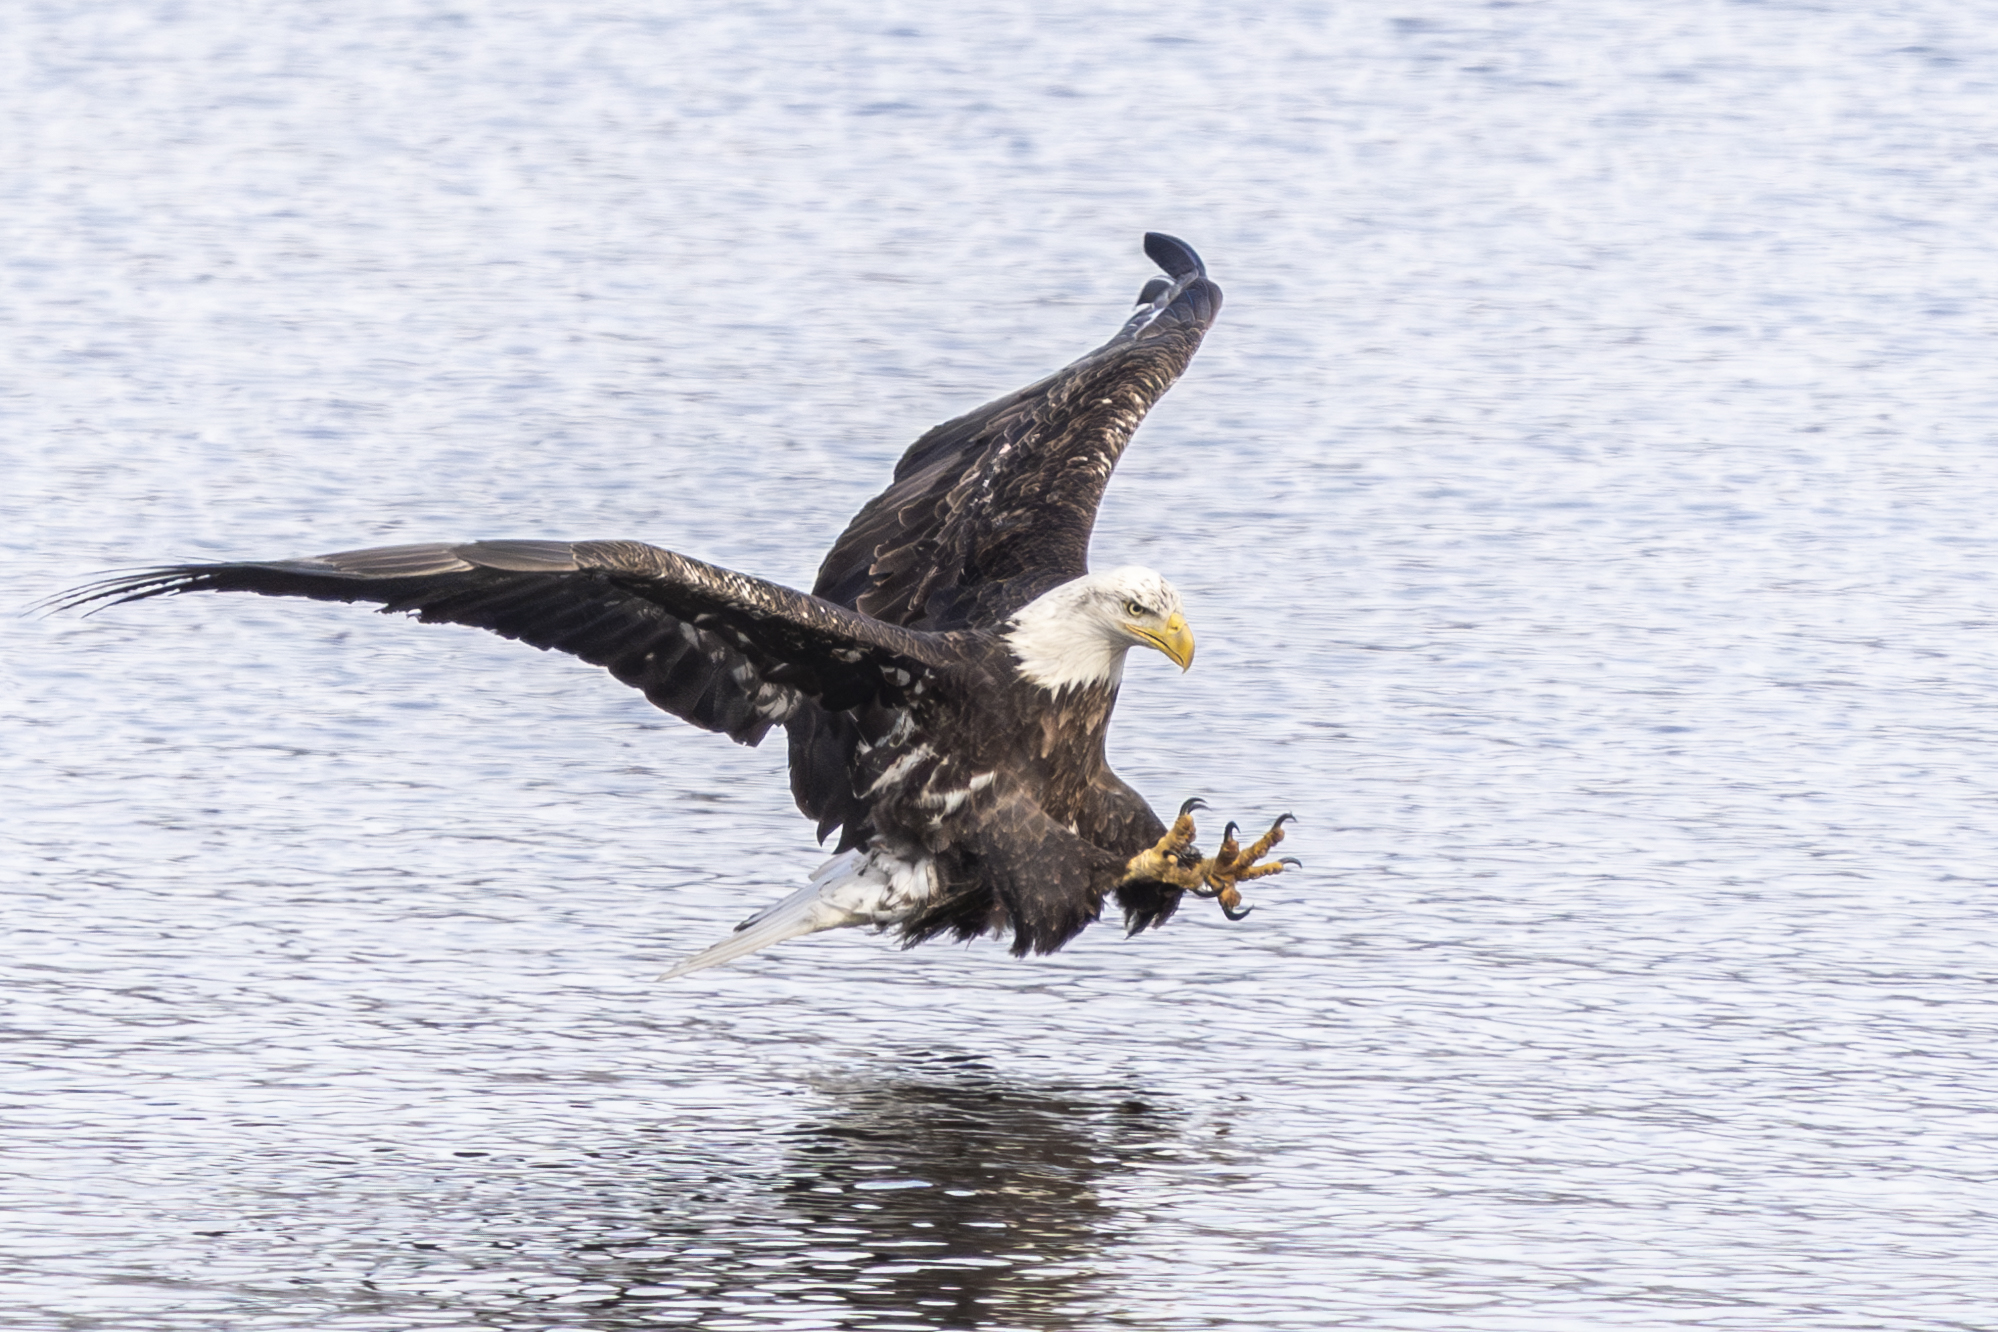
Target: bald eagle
(946, 687)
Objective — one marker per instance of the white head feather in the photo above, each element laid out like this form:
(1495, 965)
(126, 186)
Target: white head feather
(1077, 634)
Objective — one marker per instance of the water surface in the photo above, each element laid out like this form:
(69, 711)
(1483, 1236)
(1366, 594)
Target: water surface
(1583, 504)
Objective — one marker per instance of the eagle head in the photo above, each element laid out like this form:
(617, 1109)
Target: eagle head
(1077, 634)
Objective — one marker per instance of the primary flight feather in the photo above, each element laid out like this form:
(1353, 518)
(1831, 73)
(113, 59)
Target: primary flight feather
(946, 687)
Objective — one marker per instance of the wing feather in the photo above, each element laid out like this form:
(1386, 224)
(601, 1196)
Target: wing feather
(722, 650)
(989, 510)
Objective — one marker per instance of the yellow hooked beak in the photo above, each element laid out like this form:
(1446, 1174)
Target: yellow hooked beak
(1175, 640)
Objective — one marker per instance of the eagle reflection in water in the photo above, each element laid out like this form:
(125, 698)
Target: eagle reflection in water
(954, 1201)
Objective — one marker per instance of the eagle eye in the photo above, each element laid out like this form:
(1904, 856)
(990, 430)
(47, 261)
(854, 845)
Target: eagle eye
(1134, 610)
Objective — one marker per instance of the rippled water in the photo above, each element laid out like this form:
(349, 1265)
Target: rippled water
(1584, 506)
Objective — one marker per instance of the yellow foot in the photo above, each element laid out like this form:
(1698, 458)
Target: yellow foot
(1173, 856)
(1175, 860)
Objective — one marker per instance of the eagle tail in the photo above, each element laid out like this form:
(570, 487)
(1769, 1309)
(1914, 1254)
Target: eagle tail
(861, 887)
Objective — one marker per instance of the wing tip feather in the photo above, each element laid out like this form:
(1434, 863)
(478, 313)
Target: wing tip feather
(119, 588)
(1174, 255)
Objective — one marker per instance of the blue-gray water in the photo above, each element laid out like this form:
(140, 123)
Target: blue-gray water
(1584, 506)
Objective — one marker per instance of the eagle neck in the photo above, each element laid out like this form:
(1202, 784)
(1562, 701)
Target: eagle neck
(1061, 648)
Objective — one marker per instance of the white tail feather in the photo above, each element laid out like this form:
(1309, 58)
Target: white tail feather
(857, 888)
(803, 912)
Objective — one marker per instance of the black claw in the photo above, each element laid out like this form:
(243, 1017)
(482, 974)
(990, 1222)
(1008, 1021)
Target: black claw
(1283, 819)
(1291, 860)
(1191, 805)
(1229, 835)
(1243, 914)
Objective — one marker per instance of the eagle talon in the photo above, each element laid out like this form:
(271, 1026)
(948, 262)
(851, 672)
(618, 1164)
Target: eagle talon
(1261, 846)
(1176, 861)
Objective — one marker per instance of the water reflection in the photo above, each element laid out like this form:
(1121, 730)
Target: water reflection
(953, 1199)
(943, 1195)
(977, 1198)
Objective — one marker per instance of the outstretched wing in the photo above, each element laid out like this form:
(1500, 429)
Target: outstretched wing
(725, 651)
(990, 510)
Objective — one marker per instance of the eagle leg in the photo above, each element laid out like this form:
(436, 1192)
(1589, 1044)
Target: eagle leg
(1176, 861)
(1172, 854)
